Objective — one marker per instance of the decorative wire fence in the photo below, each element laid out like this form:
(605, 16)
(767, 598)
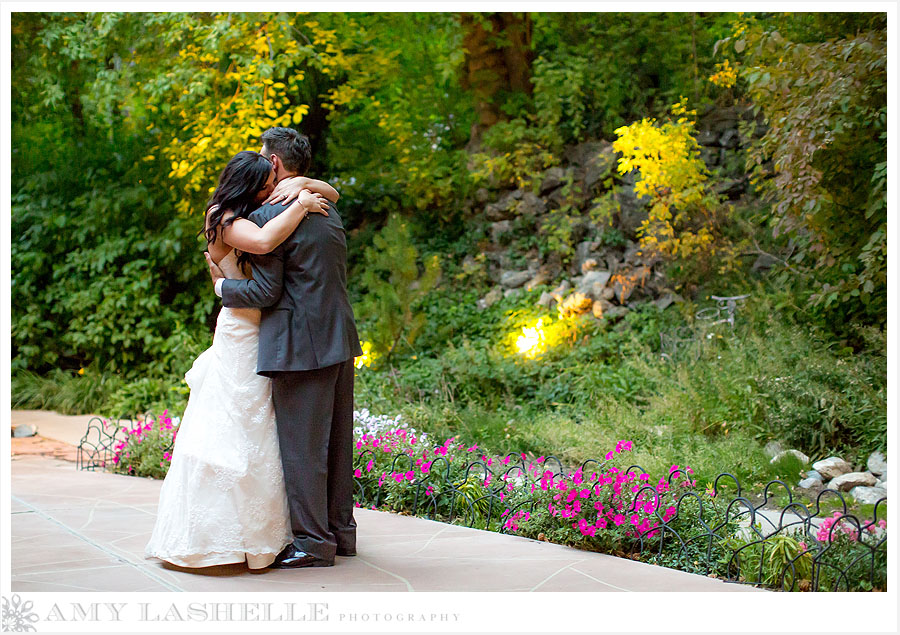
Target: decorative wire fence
(97, 446)
(689, 340)
(770, 540)
(721, 532)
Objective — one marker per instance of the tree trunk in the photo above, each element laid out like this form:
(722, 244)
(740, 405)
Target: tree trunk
(497, 60)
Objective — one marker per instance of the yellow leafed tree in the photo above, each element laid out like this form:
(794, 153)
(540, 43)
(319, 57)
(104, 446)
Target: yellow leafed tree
(681, 219)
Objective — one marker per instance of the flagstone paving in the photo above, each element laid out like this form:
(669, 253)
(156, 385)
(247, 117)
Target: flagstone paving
(86, 531)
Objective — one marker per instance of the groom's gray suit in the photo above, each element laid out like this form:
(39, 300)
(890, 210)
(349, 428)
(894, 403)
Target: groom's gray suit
(307, 342)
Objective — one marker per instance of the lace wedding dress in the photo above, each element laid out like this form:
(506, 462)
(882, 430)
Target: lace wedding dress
(223, 500)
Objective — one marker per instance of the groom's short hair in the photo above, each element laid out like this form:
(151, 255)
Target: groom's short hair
(291, 147)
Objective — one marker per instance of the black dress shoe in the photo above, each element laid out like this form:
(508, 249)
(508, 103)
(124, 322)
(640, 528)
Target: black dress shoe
(293, 558)
(346, 552)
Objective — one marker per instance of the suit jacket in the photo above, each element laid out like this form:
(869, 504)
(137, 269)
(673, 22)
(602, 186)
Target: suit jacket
(307, 321)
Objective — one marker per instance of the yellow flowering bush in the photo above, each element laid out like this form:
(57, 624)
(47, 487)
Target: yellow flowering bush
(681, 219)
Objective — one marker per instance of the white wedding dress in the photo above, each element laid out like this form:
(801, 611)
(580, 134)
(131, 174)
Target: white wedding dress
(223, 500)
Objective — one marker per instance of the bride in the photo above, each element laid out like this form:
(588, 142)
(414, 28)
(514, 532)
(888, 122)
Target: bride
(223, 500)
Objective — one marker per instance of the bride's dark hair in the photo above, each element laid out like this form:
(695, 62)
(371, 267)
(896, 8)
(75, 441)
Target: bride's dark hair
(241, 180)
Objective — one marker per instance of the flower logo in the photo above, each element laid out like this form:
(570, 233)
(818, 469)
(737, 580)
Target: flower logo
(18, 616)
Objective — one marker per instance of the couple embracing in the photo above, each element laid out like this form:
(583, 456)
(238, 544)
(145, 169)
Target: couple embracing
(262, 465)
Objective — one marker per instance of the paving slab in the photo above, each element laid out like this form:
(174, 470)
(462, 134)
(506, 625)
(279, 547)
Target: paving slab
(96, 525)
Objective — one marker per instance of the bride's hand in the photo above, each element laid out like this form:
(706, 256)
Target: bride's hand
(214, 272)
(290, 187)
(312, 202)
(286, 190)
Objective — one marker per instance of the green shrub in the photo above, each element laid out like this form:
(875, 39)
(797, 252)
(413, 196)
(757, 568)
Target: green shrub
(63, 391)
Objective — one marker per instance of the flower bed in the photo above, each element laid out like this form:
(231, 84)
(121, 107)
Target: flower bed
(613, 507)
(147, 448)
(607, 505)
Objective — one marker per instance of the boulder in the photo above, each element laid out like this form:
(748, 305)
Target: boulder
(597, 308)
(707, 137)
(846, 482)
(772, 448)
(558, 292)
(810, 483)
(831, 467)
(877, 464)
(608, 293)
(764, 262)
(589, 265)
(599, 168)
(582, 153)
(868, 495)
(482, 195)
(531, 205)
(665, 301)
(582, 255)
(632, 210)
(504, 208)
(815, 475)
(626, 282)
(553, 178)
(539, 278)
(24, 430)
(546, 300)
(499, 228)
(597, 289)
(803, 458)
(491, 298)
(615, 312)
(632, 254)
(470, 264)
(514, 279)
(730, 138)
(731, 188)
(709, 155)
(594, 160)
(591, 278)
(881, 484)
(512, 292)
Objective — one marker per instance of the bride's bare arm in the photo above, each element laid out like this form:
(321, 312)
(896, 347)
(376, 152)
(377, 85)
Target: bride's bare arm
(246, 236)
(290, 187)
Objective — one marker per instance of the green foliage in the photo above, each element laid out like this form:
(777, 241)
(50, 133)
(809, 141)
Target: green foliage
(397, 117)
(147, 394)
(63, 391)
(595, 72)
(770, 379)
(825, 103)
(92, 286)
(516, 153)
(556, 232)
(393, 284)
(773, 562)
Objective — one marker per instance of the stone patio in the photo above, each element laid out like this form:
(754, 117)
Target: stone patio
(86, 531)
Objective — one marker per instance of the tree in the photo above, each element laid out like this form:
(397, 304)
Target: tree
(498, 58)
(825, 103)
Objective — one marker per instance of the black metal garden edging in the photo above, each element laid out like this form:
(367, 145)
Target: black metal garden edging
(719, 532)
(731, 538)
(97, 447)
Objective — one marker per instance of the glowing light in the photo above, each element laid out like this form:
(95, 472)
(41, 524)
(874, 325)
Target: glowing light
(367, 357)
(532, 340)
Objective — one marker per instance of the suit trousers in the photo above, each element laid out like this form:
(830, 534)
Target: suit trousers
(314, 416)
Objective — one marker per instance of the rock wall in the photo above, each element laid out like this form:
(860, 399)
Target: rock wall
(608, 272)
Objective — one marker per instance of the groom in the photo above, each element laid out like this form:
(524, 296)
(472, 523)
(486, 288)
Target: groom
(307, 342)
